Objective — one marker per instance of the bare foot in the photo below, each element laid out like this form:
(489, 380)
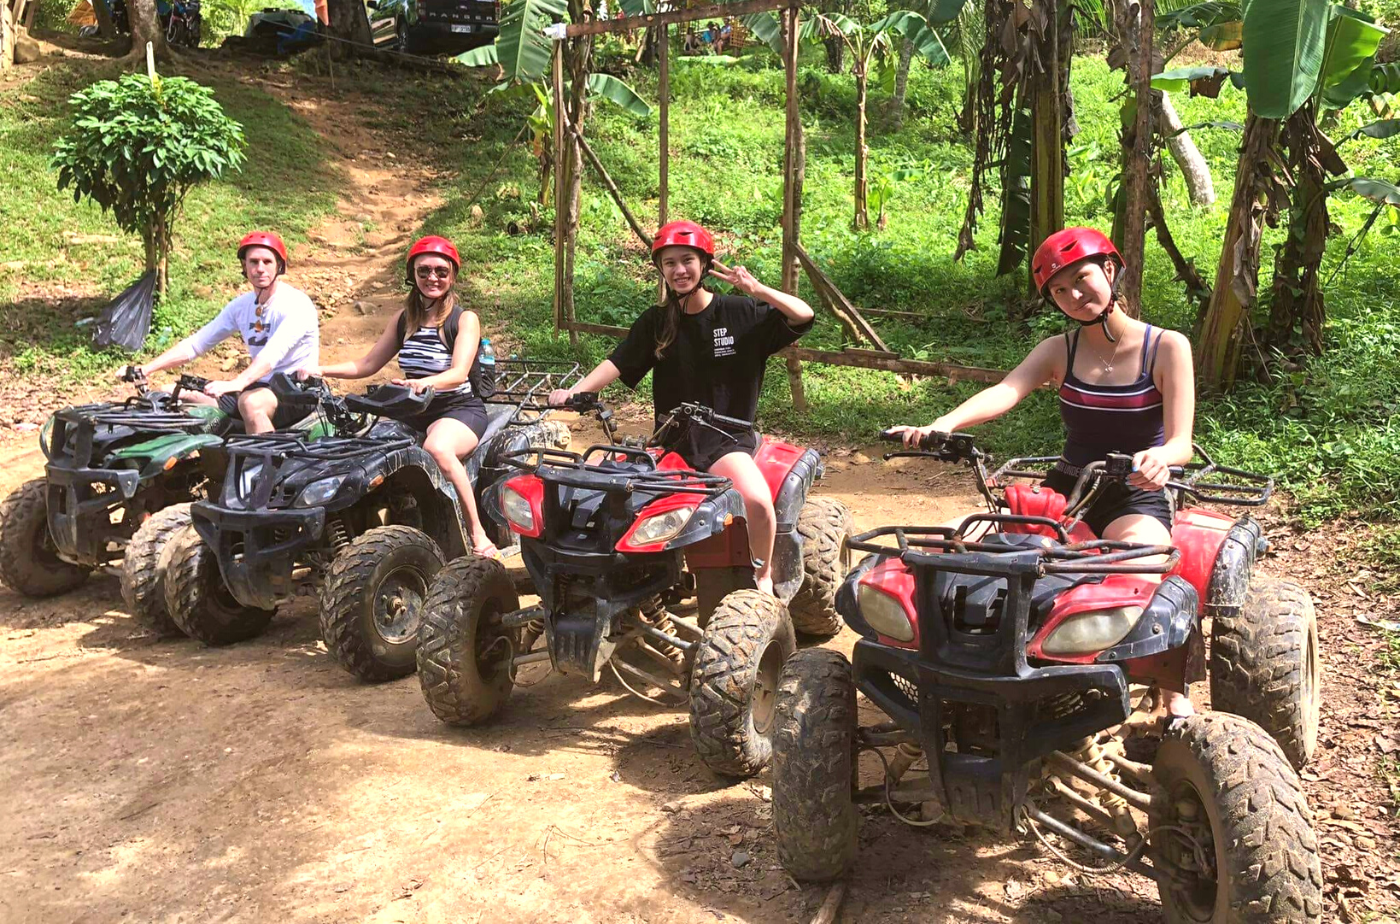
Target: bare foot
(485, 548)
(1179, 705)
(764, 583)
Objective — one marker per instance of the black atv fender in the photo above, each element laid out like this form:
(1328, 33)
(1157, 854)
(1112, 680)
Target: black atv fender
(787, 544)
(412, 468)
(1234, 563)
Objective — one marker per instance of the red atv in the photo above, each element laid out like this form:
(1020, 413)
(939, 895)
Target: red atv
(616, 541)
(1012, 656)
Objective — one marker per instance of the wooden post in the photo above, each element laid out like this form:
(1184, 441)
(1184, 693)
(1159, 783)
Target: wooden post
(793, 168)
(663, 50)
(561, 208)
(1047, 141)
(1135, 172)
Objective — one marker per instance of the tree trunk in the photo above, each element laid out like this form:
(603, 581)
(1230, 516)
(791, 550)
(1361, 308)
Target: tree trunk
(650, 42)
(578, 63)
(1137, 150)
(835, 54)
(1184, 151)
(348, 29)
(1299, 310)
(1221, 338)
(7, 37)
(145, 27)
(1047, 213)
(862, 218)
(901, 83)
(104, 19)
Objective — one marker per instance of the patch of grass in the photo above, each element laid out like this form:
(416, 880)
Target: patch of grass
(63, 259)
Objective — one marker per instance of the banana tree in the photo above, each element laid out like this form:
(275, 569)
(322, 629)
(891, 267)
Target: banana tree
(522, 52)
(868, 45)
(1299, 56)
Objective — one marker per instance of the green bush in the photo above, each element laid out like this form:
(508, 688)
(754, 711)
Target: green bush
(137, 146)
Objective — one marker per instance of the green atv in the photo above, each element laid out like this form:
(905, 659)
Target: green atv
(119, 478)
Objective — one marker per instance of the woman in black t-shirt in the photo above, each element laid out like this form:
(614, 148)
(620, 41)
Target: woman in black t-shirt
(419, 336)
(712, 350)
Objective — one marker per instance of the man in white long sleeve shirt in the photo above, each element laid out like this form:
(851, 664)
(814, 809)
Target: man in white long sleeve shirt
(276, 321)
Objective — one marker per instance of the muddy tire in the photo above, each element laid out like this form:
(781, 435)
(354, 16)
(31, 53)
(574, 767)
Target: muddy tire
(463, 653)
(1265, 666)
(1231, 788)
(735, 679)
(29, 563)
(143, 579)
(548, 434)
(814, 765)
(825, 525)
(373, 598)
(197, 599)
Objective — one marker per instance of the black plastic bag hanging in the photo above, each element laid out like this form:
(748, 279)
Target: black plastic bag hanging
(127, 320)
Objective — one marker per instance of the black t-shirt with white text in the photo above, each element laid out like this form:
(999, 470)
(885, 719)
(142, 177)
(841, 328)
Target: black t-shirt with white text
(717, 360)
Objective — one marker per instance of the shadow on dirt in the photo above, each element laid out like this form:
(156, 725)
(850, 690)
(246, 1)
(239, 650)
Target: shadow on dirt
(721, 855)
(88, 603)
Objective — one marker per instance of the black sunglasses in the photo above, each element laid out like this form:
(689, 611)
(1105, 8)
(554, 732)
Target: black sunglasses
(427, 272)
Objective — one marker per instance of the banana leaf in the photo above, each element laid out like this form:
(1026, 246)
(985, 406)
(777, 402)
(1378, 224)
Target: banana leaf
(1380, 192)
(521, 49)
(1284, 43)
(916, 29)
(1385, 128)
(1200, 81)
(1016, 194)
(1352, 40)
(1200, 15)
(1223, 36)
(616, 91)
(766, 28)
(127, 320)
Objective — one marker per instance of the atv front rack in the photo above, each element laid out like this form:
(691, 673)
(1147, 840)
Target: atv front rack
(576, 470)
(327, 449)
(970, 556)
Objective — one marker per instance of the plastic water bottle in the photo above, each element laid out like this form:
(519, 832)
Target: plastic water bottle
(487, 358)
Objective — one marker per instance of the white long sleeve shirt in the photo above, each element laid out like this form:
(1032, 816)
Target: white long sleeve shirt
(290, 337)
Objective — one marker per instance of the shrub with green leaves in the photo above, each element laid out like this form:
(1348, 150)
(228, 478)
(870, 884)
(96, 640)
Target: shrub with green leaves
(137, 146)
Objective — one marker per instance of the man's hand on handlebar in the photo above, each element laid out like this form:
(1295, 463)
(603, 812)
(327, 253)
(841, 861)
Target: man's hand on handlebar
(307, 372)
(560, 396)
(131, 374)
(216, 389)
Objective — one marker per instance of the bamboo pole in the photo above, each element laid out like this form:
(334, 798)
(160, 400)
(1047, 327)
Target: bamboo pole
(610, 186)
(1136, 178)
(664, 144)
(837, 303)
(629, 23)
(561, 211)
(793, 168)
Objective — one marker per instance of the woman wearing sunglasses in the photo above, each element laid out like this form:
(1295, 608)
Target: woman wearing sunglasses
(435, 342)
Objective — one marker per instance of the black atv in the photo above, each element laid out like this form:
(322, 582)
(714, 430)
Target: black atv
(365, 520)
(112, 468)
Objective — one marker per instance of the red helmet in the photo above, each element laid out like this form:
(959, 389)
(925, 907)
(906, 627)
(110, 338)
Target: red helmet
(1066, 247)
(265, 239)
(682, 234)
(432, 244)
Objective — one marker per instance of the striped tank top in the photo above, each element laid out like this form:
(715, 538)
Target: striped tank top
(1100, 419)
(424, 354)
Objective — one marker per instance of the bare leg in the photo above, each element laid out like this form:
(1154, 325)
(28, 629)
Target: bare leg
(742, 470)
(1137, 527)
(257, 408)
(449, 442)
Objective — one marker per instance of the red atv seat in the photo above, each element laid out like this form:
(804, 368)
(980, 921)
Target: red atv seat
(1032, 500)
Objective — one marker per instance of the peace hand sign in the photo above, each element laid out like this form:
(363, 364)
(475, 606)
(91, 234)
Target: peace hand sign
(738, 277)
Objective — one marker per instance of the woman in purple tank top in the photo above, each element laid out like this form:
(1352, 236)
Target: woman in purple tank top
(1124, 387)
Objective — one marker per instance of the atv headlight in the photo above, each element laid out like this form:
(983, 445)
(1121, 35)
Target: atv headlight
(1085, 633)
(45, 434)
(319, 492)
(884, 613)
(663, 527)
(517, 509)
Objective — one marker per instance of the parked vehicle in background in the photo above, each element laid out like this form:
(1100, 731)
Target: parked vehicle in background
(434, 26)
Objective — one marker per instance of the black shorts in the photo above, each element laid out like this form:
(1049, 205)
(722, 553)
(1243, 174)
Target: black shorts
(701, 448)
(467, 409)
(282, 418)
(1117, 500)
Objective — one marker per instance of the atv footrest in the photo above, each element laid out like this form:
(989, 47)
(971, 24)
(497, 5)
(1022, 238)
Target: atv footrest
(257, 549)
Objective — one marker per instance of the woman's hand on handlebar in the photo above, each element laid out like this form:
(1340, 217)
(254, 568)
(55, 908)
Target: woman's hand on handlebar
(1150, 473)
(560, 396)
(417, 386)
(913, 435)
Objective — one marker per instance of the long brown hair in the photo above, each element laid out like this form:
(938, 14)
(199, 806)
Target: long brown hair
(416, 307)
(673, 307)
